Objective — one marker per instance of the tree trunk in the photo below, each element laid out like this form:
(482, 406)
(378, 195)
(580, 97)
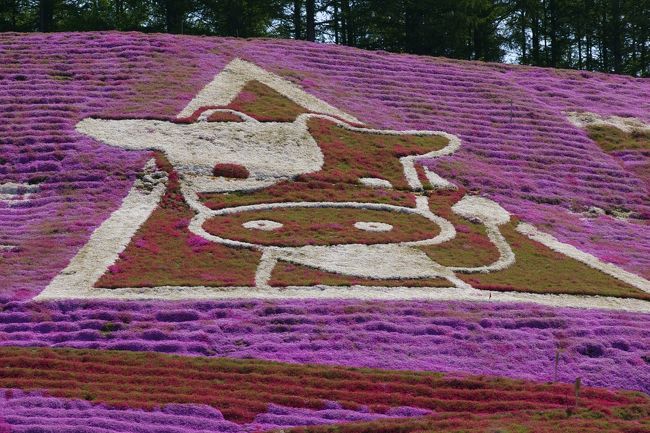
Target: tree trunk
(45, 15)
(297, 19)
(616, 40)
(310, 9)
(346, 23)
(412, 41)
(555, 47)
(604, 49)
(535, 36)
(644, 42)
(335, 17)
(579, 52)
(14, 15)
(119, 14)
(478, 38)
(523, 42)
(235, 25)
(589, 46)
(545, 32)
(174, 16)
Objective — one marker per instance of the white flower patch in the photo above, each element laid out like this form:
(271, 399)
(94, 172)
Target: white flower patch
(625, 124)
(481, 210)
(265, 225)
(375, 182)
(392, 261)
(438, 182)
(373, 226)
(11, 192)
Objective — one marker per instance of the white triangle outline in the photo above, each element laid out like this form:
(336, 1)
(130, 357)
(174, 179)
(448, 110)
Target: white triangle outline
(227, 84)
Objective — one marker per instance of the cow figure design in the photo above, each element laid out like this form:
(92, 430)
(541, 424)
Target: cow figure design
(259, 189)
(274, 153)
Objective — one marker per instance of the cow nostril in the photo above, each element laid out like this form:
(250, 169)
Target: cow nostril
(232, 171)
(373, 226)
(266, 225)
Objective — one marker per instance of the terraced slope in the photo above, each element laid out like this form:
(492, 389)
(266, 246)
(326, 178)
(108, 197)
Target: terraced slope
(518, 146)
(206, 234)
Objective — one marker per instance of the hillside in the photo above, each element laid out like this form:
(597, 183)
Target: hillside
(216, 234)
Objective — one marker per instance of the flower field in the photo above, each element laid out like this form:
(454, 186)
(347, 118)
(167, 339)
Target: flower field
(214, 234)
(518, 341)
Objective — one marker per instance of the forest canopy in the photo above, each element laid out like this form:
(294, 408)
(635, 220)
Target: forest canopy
(598, 35)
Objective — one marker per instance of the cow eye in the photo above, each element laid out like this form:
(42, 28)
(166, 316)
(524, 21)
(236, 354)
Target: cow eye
(373, 226)
(266, 225)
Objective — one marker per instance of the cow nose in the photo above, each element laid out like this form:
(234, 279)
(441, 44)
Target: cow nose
(373, 226)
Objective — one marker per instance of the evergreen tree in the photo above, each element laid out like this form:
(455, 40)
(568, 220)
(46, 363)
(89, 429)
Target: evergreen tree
(600, 35)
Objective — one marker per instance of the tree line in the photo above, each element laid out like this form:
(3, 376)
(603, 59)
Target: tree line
(597, 35)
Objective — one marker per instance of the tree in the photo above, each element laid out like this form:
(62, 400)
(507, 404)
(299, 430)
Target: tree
(601, 35)
(19, 16)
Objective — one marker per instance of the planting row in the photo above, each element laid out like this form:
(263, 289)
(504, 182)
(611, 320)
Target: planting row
(604, 348)
(33, 411)
(244, 389)
(629, 420)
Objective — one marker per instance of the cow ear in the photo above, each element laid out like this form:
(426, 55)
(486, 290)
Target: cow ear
(221, 115)
(375, 182)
